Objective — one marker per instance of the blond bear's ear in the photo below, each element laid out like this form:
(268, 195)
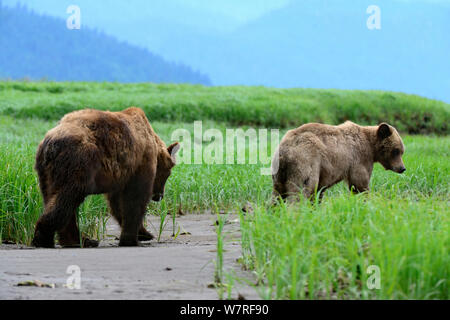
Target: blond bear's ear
(383, 131)
(173, 149)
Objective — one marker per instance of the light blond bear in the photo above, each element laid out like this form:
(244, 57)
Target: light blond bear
(317, 156)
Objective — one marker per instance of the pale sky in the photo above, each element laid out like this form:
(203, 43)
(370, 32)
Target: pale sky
(240, 10)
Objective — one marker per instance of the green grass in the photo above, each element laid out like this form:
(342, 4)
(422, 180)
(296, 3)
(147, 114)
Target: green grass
(323, 251)
(300, 252)
(259, 106)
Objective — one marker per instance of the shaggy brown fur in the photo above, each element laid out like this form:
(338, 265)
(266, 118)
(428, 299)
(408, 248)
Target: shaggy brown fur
(97, 152)
(316, 156)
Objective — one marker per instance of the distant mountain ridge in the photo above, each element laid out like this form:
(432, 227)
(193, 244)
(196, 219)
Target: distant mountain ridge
(37, 47)
(305, 43)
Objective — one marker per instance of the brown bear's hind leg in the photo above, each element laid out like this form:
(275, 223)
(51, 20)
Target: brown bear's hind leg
(57, 214)
(69, 237)
(43, 235)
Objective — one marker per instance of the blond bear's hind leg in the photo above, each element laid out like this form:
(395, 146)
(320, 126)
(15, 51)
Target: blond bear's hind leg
(310, 182)
(293, 189)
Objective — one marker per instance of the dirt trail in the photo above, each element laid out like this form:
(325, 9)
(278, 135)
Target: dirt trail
(171, 269)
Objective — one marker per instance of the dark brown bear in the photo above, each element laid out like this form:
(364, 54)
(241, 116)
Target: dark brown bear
(98, 152)
(317, 156)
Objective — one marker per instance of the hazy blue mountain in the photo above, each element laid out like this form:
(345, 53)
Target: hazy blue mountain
(36, 47)
(327, 44)
(311, 45)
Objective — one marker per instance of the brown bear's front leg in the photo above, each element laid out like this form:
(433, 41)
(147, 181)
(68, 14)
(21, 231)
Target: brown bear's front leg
(144, 235)
(135, 198)
(115, 204)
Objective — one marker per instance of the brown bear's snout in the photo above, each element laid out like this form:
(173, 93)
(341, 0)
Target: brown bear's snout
(400, 169)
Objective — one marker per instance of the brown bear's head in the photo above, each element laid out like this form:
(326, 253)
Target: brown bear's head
(166, 161)
(389, 148)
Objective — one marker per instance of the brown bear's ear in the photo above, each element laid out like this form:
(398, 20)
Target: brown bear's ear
(173, 149)
(383, 131)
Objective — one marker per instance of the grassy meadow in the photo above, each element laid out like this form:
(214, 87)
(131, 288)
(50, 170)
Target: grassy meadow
(303, 251)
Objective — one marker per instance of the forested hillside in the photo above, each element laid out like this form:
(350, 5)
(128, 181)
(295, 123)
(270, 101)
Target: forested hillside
(36, 47)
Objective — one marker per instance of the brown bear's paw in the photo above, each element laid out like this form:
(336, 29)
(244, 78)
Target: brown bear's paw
(127, 240)
(72, 240)
(41, 240)
(89, 243)
(144, 235)
(128, 243)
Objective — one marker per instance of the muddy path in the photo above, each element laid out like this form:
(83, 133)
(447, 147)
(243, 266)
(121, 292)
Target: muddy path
(181, 268)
